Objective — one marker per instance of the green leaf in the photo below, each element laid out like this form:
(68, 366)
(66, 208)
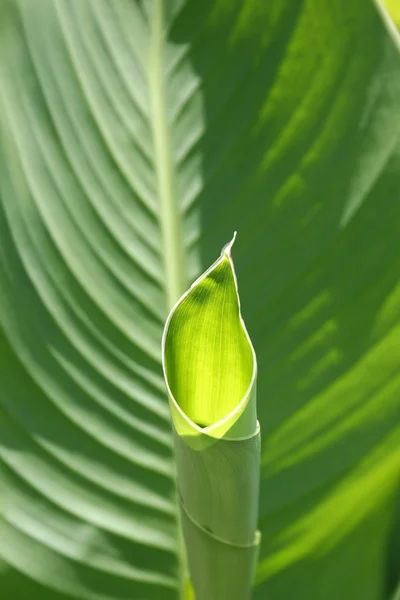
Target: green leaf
(394, 10)
(210, 373)
(393, 566)
(209, 362)
(135, 137)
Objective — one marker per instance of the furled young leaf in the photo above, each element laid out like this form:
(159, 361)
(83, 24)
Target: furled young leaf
(135, 136)
(210, 372)
(393, 8)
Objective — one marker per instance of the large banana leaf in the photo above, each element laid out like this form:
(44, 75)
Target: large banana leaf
(135, 138)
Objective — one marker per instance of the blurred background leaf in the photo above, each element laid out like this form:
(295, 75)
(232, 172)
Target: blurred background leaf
(397, 593)
(136, 137)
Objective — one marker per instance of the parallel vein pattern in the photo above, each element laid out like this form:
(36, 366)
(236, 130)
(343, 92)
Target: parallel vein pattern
(136, 136)
(88, 508)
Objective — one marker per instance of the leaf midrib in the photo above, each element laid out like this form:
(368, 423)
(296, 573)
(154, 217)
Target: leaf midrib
(172, 239)
(170, 220)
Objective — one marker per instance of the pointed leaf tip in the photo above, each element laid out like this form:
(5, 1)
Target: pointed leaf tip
(226, 250)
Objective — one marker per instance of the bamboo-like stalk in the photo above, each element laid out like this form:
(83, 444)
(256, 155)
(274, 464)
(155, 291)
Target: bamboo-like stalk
(210, 372)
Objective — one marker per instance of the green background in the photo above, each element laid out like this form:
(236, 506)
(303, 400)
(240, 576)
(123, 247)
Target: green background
(136, 137)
